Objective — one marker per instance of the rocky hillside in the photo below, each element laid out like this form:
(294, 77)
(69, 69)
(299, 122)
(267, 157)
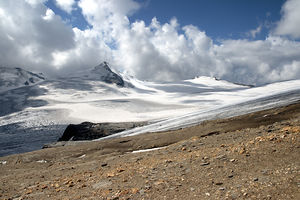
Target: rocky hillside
(254, 156)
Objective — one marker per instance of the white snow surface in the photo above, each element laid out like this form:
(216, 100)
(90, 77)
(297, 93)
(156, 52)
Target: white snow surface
(147, 150)
(11, 78)
(41, 112)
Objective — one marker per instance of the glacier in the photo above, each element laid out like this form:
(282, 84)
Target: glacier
(34, 114)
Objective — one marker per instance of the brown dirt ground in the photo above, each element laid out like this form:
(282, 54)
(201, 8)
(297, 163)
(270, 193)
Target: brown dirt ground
(254, 156)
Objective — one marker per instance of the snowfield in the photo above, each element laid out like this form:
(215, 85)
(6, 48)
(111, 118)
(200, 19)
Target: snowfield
(36, 114)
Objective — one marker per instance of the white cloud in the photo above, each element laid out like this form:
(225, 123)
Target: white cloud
(159, 52)
(256, 31)
(108, 17)
(49, 15)
(30, 33)
(66, 5)
(35, 2)
(33, 35)
(290, 20)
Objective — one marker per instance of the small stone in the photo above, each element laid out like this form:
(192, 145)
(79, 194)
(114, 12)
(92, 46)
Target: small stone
(120, 170)
(142, 192)
(219, 183)
(3, 162)
(104, 165)
(242, 151)
(204, 164)
(183, 149)
(255, 179)
(158, 182)
(71, 184)
(192, 189)
(222, 189)
(82, 156)
(134, 190)
(44, 187)
(207, 194)
(147, 187)
(230, 176)
(178, 184)
(110, 174)
(102, 184)
(28, 192)
(232, 160)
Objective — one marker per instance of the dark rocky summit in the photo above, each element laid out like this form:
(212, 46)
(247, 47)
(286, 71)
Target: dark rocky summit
(107, 75)
(91, 131)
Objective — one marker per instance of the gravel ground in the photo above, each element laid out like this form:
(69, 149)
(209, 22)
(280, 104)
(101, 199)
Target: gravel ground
(254, 156)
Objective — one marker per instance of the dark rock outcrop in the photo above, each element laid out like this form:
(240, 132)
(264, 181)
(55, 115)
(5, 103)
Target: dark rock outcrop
(107, 75)
(91, 131)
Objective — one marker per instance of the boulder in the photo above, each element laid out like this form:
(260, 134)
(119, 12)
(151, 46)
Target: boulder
(91, 131)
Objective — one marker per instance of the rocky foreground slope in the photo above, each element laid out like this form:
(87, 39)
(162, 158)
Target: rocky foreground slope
(254, 156)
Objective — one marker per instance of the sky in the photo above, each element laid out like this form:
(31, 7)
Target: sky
(245, 41)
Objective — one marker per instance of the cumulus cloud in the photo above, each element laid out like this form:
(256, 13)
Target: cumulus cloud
(289, 23)
(66, 5)
(158, 52)
(109, 18)
(32, 35)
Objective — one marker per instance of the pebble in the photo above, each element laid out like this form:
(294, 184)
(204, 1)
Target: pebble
(41, 161)
(255, 179)
(142, 192)
(204, 164)
(82, 156)
(147, 187)
(44, 186)
(102, 184)
(3, 162)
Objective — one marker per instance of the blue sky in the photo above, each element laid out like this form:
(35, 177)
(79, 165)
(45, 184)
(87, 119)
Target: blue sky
(247, 41)
(218, 18)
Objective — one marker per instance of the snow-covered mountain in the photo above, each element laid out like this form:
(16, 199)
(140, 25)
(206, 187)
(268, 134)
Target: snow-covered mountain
(11, 78)
(101, 72)
(42, 112)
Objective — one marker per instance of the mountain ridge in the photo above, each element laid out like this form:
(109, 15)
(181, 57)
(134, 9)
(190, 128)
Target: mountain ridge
(12, 78)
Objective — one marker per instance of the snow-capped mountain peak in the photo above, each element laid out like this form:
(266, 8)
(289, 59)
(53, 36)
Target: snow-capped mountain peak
(11, 78)
(101, 72)
(104, 72)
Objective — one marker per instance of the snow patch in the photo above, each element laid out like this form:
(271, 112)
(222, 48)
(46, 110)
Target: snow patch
(147, 150)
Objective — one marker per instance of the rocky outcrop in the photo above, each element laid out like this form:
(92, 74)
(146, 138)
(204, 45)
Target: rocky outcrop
(104, 72)
(91, 131)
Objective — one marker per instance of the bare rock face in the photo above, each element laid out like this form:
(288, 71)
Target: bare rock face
(104, 72)
(91, 131)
